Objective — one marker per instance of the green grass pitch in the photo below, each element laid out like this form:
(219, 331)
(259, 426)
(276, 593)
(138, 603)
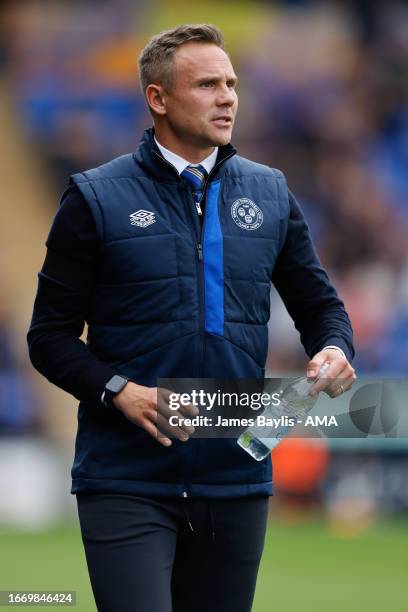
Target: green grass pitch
(304, 568)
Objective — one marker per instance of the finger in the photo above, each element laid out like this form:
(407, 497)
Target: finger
(182, 431)
(167, 399)
(188, 429)
(184, 411)
(163, 428)
(183, 415)
(166, 414)
(153, 431)
(190, 410)
(340, 386)
(175, 431)
(166, 394)
(339, 368)
(322, 383)
(342, 382)
(172, 401)
(150, 414)
(315, 364)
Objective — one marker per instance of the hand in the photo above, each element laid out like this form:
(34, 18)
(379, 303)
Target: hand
(148, 407)
(337, 379)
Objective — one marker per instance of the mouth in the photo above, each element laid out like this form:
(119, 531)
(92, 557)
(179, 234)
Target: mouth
(223, 120)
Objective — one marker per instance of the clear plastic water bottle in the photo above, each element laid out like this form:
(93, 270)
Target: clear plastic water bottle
(295, 403)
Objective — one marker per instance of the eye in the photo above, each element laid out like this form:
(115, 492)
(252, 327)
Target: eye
(207, 84)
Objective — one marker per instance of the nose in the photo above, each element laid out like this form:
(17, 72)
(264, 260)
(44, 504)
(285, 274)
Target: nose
(226, 96)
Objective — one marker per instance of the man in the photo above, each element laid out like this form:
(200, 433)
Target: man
(168, 254)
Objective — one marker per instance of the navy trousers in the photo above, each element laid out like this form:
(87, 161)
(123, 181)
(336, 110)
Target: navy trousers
(172, 555)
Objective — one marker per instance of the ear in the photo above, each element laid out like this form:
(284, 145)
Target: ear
(156, 99)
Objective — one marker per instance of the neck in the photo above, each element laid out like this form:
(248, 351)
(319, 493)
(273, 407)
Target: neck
(188, 151)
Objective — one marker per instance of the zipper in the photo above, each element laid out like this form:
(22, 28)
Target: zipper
(201, 264)
(199, 246)
(163, 159)
(202, 295)
(200, 277)
(217, 165)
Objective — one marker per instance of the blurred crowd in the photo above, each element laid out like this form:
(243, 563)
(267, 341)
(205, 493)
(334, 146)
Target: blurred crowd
(19, 405)
(323, 96)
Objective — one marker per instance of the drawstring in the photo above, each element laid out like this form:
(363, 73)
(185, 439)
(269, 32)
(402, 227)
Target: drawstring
(186, 513)
(212, 522)
(188, 519)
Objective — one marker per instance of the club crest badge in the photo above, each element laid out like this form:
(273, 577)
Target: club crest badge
(246, 214)
(142, 218)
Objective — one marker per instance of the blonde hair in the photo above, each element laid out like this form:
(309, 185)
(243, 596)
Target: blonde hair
(156, 61)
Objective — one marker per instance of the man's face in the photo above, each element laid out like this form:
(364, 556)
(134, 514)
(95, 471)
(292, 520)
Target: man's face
(202, 104)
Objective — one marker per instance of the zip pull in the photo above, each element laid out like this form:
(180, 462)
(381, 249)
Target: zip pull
(198, 207)
(200, 251)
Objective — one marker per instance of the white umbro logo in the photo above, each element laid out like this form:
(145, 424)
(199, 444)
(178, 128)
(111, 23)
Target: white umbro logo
(142, 218)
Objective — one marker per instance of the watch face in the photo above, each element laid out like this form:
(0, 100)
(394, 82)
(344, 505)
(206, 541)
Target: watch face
(116, 384)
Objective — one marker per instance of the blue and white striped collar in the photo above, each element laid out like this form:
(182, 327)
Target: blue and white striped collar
(181, 164)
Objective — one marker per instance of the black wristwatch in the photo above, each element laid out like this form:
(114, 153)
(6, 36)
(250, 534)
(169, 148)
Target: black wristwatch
(112, 388)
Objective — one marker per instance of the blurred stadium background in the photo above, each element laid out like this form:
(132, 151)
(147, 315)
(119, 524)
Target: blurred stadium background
(323, 96)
